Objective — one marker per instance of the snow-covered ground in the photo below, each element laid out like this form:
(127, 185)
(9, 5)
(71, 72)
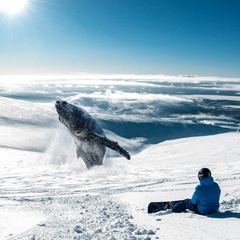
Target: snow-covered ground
(110, 202)
(171, 126)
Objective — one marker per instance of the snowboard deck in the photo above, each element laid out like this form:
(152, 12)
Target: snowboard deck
(161, 206)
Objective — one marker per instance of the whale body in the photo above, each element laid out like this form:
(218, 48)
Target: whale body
(88, 135)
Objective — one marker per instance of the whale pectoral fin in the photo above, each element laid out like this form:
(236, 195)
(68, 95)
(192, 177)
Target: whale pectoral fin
(110, 144)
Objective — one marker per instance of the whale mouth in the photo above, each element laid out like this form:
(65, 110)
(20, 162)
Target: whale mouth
(65, 114)
(60, 107)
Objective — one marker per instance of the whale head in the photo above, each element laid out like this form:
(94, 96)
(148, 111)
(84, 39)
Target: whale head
(73, 117)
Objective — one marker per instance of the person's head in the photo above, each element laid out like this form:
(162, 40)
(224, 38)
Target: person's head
(203, 173)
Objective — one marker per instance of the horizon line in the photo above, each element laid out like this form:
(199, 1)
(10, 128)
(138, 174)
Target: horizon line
(124, 76)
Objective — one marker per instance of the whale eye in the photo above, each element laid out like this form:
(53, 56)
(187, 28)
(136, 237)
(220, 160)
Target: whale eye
(78, 132)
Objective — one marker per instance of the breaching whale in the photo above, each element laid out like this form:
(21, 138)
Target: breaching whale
(88, 135)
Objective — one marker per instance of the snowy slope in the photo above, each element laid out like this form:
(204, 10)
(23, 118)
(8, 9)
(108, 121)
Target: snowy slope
(172, 126)
(109, 202)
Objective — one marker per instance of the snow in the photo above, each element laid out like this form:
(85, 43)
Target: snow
(110, 202)
(46, 193)
(14, 221)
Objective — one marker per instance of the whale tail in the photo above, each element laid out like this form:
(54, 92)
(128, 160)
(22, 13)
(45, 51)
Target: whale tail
(110, 144)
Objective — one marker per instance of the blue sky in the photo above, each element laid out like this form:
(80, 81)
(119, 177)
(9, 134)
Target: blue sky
(172, 37)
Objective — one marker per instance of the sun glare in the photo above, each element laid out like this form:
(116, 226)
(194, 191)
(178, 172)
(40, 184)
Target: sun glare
(12, 6)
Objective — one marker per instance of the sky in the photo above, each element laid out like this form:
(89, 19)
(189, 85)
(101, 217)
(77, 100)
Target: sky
(172, 37)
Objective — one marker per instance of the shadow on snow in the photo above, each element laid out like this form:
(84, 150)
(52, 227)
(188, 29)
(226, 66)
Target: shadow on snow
(226, 214)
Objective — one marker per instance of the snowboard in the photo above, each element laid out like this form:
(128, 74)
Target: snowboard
(161, 206)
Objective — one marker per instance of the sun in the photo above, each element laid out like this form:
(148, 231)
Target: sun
(12, 6)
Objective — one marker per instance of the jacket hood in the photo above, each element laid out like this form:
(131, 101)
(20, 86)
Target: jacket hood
(207, 181)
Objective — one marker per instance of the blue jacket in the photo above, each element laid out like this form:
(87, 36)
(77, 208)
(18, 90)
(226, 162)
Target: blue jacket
(206, 196)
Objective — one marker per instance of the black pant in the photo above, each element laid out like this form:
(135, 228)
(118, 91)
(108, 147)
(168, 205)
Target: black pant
(184, 205)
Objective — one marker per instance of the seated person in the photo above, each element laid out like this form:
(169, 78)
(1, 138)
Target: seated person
(205, 199)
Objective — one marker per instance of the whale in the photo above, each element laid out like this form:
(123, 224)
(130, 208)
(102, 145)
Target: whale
(88, 135)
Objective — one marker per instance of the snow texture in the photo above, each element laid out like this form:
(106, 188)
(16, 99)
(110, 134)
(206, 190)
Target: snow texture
(47, 193)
